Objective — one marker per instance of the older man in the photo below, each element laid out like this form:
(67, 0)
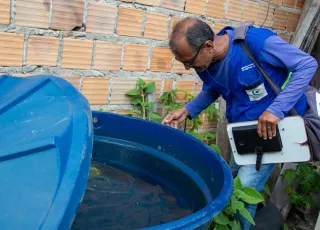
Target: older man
(227, 71)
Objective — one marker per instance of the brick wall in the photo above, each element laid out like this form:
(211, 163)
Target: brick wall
(102, 47)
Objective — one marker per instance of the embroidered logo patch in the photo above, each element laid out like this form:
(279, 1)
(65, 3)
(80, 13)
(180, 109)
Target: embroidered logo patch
(257, 93)
(247, 67)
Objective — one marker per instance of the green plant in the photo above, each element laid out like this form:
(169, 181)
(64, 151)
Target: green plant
(226, 219)
(308, 183)
(206, 138)
(171, 102)
(143, 108)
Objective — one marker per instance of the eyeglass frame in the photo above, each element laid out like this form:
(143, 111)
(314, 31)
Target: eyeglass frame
(190, 64)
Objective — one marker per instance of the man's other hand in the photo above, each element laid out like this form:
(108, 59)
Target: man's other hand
(174, 118)
(267, 124)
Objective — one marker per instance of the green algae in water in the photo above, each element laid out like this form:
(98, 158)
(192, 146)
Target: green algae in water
(115, 199)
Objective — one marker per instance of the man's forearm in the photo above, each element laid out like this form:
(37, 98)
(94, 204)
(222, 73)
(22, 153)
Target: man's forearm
(282, 55)
(297, 85)
(200, 102)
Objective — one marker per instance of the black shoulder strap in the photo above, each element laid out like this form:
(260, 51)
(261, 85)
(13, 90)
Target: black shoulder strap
(240, 35)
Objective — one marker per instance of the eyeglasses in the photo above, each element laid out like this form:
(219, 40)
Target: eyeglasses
(190, 63)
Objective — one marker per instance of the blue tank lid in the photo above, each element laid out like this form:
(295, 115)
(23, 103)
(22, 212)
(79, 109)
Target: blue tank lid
(46, 146)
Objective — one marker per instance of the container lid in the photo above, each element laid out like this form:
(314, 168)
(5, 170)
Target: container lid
(46, 148)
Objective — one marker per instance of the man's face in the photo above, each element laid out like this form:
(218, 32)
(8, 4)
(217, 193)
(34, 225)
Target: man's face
(199, 59)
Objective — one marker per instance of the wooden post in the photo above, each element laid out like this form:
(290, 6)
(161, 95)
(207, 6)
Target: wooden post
(222, 135)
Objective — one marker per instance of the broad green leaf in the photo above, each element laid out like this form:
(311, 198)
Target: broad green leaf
(230, 211)
(136, 101)
(141, 82)
(250, 196)
(237, 183)
(101, 110)
(215, 148)
(220, 227)
(221, 219)
(244, 212)
(136, 112)
(150, 87)
(209, 136)
(133, 92)
(196, 135)
(237, 205)
(266, 189)
(155, 116)
(235, 225)
(288, 175)
(285, 227)
(148, 105)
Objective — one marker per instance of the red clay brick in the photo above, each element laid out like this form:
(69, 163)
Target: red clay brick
(77, 54)
(250, 11)
(108, 56)
(280, 19)
(74, 80)
(179, 68)
(300, 4)
(4, 11)
(293, 20)
(235, 10)
(161, 59)
(277, 2)
(119, 88)
(188, 85)
(42, 51)
(130, 22)
(167, 85)
(265, 16)
(32, 13)
(209, 23)
(149, 2)
(135, 57)
(95, 90)
(174, 4)
(289, 3)
(101, 18)
(196, 6)
(216, 8)
(156, 26)
(199, 87)
(158, 84)
(66, 15)
(285, 37)
(11, 49)
(174, 21)
(218, 27)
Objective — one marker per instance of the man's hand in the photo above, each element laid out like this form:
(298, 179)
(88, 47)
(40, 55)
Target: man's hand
(174, 118)
(267, 125)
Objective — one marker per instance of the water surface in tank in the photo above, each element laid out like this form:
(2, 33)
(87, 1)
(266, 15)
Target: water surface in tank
(121, 194)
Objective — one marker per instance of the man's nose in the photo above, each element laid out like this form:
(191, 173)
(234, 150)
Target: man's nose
(187, 67)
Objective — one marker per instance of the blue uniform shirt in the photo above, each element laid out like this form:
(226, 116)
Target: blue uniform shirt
(243, 87)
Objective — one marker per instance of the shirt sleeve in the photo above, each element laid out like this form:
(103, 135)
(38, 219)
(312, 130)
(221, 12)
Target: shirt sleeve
(201, 102)
(281, 54)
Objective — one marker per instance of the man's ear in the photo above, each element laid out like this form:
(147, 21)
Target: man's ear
(209, 45)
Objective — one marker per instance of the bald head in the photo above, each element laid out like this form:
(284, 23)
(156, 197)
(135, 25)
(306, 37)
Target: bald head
(192, 31)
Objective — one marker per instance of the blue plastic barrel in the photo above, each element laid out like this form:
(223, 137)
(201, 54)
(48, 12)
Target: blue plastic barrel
(174, 159)
(46, 145)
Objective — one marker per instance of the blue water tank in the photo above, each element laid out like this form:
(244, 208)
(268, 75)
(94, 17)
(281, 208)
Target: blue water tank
(46, 146)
